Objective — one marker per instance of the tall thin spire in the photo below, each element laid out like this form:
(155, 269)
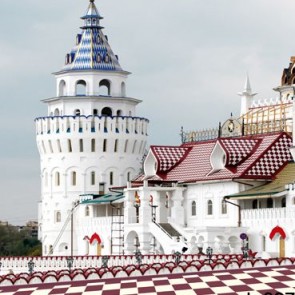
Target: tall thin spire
(246, 96)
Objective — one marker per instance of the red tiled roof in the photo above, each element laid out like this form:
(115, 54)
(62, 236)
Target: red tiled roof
(169, 156)
(259, 156)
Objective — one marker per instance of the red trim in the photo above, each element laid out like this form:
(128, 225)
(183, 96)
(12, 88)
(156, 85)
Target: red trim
(277, 230)
(95, 237)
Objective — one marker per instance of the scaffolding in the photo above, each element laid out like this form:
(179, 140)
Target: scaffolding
(117, 231)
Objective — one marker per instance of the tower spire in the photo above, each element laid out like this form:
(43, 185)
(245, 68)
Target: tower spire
(92, 50)
(246, 96)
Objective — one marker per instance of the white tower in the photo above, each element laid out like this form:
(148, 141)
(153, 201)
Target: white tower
(91, 138)
(246, 97)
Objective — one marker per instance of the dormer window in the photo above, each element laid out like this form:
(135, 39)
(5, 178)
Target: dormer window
(98, 39)
(218, 158)
(107, 59)
(94, 21)
(98, 58)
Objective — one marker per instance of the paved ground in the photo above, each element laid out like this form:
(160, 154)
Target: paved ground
(268, 280)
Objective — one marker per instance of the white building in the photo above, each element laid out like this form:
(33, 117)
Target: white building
(90, 140)
(220, 184)
(207, 192)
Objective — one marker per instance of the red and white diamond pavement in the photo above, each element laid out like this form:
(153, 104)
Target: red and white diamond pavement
(267, 280)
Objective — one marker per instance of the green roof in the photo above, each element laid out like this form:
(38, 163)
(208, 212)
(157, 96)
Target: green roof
(286, 176)
(101, 199)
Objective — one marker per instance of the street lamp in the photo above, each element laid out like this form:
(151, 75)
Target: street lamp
(31, 265)
(138, 257)
(70, 261)
(177, 257)
(209, 252)
(105, 260)
(136, 205)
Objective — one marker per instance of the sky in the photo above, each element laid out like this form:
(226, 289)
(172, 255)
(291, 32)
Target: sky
(188, 58)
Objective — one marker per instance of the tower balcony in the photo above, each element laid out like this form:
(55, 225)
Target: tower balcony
(91, 124)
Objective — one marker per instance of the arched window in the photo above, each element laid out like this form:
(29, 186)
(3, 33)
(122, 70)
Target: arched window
(269, 203)
(77, 112)
(223, 207)
(104, 145)
(209, 207)
(57, 178)
(59, 146)
(123, 89)
(107, 112)
(56, 112)
(116, 146)
(62, 88)
(87, 211)
(95, 112)
(50, 146)
(105, 88)
(126, 146)
(70, 146)
(92, 145)
(111, 178)
(194, 208)
(74, 178)
(93, 178)
(128, 176)
(119, 113)
(283, 202)
(81, 145)
(81, 88)
(58, 216)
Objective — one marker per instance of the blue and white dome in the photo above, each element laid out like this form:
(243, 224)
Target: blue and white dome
(92, 50)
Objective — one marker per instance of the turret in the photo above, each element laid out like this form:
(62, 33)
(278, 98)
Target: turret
(246, 97)
(91, 138)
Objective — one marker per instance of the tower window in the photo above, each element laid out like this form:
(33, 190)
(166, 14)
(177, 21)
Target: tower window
(209, 207)
(95, 112)
(81, 145)
(50, 146)
(59, 146)
(57, 216)
(107, 112)
(194, 213)
(104, 145)
(98, 58)
(128, 176)
(70, 146)
(92, 145)
(57, 179)
(126, 146)
(93, 178)
(111, 178)
(134, 146)
(105, 88)
(77, 112)
(81, 88)
(116, 146)
(74, 178)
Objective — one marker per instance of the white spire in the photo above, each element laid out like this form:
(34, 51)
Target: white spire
(246, 96)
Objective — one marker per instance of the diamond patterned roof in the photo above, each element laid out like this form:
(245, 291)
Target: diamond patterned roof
(237, 149)
(92, 51)
(260, 156)
(168, 157)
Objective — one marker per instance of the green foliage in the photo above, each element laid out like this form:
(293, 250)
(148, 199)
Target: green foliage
(15, 242)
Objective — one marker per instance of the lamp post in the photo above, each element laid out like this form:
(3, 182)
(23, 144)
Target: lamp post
(177, 257)
(209, 252)
(105, 260)
(138, 257)
(70, 261)
(136, 205)
(31, 265)
(75, 205)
